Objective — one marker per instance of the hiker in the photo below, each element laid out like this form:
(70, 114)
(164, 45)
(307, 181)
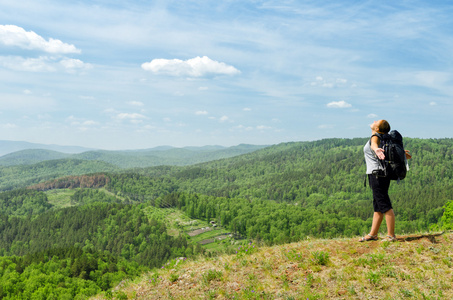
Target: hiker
(379, 184)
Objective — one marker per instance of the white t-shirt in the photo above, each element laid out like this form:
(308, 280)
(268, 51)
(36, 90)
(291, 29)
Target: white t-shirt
(371, 160)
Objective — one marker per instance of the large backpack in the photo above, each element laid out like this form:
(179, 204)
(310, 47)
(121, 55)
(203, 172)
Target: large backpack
(394, 164)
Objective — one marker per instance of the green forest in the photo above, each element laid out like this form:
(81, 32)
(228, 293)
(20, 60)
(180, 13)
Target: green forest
(74, 228)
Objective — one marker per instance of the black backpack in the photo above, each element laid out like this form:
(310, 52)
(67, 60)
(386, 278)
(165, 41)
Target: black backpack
(394, 164)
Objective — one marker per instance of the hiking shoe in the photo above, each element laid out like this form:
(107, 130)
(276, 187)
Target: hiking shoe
(368, 238)
(390, 238)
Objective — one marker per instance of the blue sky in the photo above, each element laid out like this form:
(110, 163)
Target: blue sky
(139, 74)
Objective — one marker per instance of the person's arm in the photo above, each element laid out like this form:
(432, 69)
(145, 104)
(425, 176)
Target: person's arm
(375, 147)
(408, 155)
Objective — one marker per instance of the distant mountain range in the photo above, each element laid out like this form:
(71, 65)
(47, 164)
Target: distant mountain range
(7, 147)
(24, 153)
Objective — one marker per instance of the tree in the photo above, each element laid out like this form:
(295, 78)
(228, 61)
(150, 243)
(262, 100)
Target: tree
(447, 217)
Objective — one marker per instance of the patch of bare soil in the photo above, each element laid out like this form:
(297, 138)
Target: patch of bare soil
(212, 240)
(199, 231)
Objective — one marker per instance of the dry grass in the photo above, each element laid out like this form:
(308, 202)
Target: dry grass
(415, 267)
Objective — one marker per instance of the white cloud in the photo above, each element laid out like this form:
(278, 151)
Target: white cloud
(203, 88)
(70, 119)
(242, 127)
(80, 122)
(12, 35)
(223, 119)
(247, 109)
(131, 116)
(432, 78)
(329, 83)
(8, 126)
(109, 111)
(71, 64)
(27, 92)
(263, 127)
(90, 123)
(17, 63)
(136, 103)
(372, 116)
(339, 104)
(195, 67)
(432, 103)
(42, 64)
(201, 112)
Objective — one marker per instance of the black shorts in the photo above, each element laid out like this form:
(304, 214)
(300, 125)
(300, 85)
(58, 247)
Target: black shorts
(380, 187)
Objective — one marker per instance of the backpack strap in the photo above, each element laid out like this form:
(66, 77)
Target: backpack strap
(380, 139)
(379, 135)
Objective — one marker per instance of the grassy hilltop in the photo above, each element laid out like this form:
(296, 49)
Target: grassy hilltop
(415, 267)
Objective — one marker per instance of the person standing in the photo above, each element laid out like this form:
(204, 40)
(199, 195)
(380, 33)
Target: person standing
(379, 185)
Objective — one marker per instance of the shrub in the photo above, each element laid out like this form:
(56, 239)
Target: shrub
(320, 258)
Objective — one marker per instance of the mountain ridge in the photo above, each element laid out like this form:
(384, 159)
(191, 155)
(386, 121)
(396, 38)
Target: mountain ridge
(7, 147)
(162, 155)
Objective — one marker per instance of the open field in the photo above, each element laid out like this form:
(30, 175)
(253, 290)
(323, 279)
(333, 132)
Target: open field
(210, 234)
(60, 198)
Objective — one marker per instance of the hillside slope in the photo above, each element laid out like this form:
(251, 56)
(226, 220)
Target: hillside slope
(171, 156)
(13, 177)
(30, 156)
(417, 267)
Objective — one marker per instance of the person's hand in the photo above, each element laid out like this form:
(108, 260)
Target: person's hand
(380, 153)
(408, 156)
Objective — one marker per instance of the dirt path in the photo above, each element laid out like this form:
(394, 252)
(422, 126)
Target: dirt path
(199, 231)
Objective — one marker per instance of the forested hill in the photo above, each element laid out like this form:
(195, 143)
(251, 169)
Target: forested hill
(300, 171)
(31, 166)
(133, 158)
(20, 176)
(327, 176)
(70, 237)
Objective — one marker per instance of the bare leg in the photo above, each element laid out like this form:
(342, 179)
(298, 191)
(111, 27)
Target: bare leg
(390, 220)
(377, 220)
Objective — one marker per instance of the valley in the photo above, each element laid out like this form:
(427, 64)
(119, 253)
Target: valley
(87, 227)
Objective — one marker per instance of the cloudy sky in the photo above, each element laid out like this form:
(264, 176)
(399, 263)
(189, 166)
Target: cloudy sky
(134, 74)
